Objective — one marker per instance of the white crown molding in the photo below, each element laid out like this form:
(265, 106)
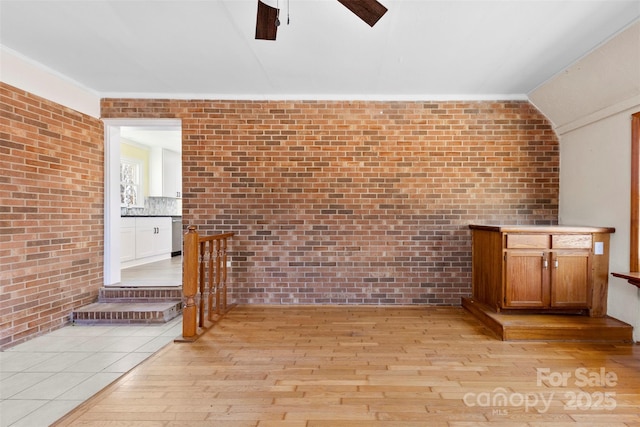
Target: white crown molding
(318, 97)
(602, 114)
(33, 77)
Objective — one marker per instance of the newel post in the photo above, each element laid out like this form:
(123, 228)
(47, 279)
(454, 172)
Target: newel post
(190, 282)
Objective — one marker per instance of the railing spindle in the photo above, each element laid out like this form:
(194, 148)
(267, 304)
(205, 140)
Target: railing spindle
(210, 284)
(201, 282)
(202, 274)
(190, 283)
(218, 277)
(223, 283)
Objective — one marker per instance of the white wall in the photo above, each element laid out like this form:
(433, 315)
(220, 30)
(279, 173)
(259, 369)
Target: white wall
(595, 188)
(590, 105)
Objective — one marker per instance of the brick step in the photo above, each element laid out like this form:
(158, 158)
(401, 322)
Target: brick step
(127, 312)
(132, 305)
(146, 294)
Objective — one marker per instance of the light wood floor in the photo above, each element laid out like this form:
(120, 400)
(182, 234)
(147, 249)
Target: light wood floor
(393, 367)
(165, 273)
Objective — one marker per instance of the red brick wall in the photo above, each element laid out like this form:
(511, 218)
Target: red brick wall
(357, 202)
(51, 213)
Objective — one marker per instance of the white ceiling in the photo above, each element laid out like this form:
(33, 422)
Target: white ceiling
(169, 137)
(427, 49)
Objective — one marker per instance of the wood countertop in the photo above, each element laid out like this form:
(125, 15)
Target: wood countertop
(542, 228)
(632, 277)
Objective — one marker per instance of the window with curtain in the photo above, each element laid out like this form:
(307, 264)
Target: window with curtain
(131, 183)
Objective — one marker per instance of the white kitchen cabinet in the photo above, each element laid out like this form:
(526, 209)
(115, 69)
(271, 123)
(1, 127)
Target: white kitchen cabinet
(172, 174)
(127, 239)
(149, 240)
(165, 173)
(153, 236)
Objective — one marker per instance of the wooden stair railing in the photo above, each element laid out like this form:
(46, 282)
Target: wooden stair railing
(204, 286)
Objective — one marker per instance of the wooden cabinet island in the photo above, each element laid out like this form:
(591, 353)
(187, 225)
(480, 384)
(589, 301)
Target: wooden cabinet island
(542, 269)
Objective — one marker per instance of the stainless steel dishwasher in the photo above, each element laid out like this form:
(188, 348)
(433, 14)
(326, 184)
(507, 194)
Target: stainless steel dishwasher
(176, 235)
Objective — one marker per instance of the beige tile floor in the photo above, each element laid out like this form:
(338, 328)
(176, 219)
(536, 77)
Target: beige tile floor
(44, 378)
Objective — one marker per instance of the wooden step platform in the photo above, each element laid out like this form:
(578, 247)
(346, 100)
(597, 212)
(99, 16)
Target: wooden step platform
(131, 305)
(127, 312)
(134, 294)
(549, 327)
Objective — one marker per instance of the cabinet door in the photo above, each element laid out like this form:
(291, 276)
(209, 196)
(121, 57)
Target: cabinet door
(127, 243)
(155, 172)
(145, 237)
(526, 279)
(178, 173)
(165, 173)
(570, 279)
(163, 236)
(170, 171)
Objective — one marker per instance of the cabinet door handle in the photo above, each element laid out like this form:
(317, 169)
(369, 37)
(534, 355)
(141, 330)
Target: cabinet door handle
(545, 263)
(555, 263)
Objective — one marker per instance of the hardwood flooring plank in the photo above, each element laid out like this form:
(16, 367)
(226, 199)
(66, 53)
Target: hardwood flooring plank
(264, 366)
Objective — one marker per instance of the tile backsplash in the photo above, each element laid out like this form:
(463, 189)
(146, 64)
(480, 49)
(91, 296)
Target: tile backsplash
(156, 206)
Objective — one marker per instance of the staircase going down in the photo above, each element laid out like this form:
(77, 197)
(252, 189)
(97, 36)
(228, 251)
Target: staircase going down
(131, 306)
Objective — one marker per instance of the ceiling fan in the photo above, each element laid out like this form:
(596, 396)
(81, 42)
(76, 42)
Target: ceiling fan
(267, 21)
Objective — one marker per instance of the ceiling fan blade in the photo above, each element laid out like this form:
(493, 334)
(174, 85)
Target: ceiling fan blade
(266, 27)
(370, 11)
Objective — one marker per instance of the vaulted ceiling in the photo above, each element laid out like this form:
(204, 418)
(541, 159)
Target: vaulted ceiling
(425, 49)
